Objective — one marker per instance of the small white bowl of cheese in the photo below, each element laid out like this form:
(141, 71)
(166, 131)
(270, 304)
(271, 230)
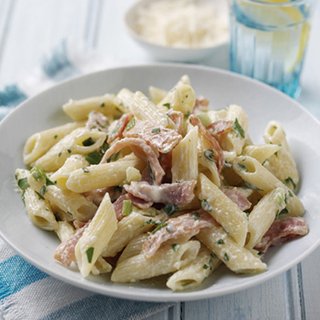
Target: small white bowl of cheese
(179, 30)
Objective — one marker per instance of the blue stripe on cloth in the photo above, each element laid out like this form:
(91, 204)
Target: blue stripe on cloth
(58, 66)
(15, 274)
(11, 95)
(102, 307)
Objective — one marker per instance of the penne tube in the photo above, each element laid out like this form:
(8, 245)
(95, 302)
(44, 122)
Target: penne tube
(223, 210)
(39, 143)
(109, 105)
(259, 178)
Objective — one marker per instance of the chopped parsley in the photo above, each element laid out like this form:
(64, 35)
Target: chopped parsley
(114, 157)
(158, 225)
(289, 182)
(23, 184)
(38, 174)
(209, 154)
(187, 114)
(59, 154)
(282, 212)
(195, 215)
(205, 266)
(238, 129)
(226, 257)
(205, 205)
(102, 105)
(55, 136)
(131, 124)
(96, 156)
(167, 105)
(85, 170)
(170, 208)
(88, 142)
(175, 247)
(220, 241)
(126, 207)
(89, 253)
(69, 150)
(43, 190)
(155, 130)
(242, 167)
(40, 196)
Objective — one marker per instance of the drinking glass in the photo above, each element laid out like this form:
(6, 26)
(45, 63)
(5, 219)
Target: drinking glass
(269, 40)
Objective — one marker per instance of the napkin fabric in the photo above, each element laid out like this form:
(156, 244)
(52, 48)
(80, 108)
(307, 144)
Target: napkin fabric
(26, 292)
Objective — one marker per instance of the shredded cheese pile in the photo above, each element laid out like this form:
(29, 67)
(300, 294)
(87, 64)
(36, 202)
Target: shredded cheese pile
(183, 23)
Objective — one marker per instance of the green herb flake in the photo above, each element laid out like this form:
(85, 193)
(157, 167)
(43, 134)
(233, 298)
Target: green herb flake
(155, 130)
(40, 196)
(131, 124)
(170, 208)
(281, 213)
(220, 241)
(89, 253)
(114, 157)
(38, 174)
(205, 266)
(43, 190)
(289, 182)
(209, 154)
(85, 170)
(69, 151)
(102, 105)
(23, 184)
(238, 129)
(159, 225)
(88, 142)
(187, 115)
(167, 105)
(126, 207)
(226, 257)
(195, 215)
(205, 205)
(59, 154)
(55, 136)
(175, 247)
(242, 167)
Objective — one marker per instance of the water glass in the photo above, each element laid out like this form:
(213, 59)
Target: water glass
(269, 40)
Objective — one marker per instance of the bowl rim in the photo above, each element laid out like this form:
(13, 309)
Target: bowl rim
(171, 296)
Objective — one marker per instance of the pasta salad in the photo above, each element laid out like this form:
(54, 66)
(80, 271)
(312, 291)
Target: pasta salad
(139, 187)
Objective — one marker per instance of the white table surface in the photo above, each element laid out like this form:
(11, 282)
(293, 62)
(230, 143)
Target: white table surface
(30, 28)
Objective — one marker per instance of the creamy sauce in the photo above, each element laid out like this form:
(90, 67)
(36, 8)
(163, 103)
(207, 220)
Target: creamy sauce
(184, 23)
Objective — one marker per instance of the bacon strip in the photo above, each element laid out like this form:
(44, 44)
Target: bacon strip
(218, 154)
(96, 120)
(65, 251)
(142, 150)
(177, 118)
(116, 131)
(179, 229)
(220, 127)
(238, 197)
(179, 193)
(161, 138)
(282, 230)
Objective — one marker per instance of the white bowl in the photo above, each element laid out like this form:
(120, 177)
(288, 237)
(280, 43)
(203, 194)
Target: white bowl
(166, 53)
(222, 88)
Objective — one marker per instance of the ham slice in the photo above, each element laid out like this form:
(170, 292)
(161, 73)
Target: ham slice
(161, 138)
(116, 130)
(65, 251)
(142, 150)
(179, 229)
(179, 193)
(237, 196)
(177, 118)
(220, 127)
(282, 230)
(215, 146)
(96, 120)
